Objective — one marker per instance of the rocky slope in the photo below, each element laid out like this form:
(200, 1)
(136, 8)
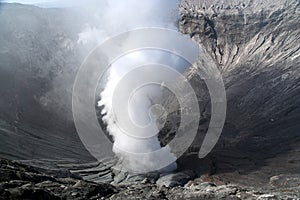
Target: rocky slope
(254, 45)
(18, 181)
(39, 56)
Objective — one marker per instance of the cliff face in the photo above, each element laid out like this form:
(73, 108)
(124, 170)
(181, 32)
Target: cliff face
(255, 46)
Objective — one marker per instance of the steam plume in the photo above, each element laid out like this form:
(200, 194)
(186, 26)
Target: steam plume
(150, 13)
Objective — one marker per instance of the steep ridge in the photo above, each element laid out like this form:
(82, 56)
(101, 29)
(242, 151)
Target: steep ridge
(255, 46)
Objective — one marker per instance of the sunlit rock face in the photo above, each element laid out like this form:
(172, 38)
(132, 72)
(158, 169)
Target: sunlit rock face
(255, 46)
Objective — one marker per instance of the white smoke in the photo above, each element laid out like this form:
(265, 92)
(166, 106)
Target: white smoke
(110, 17)
(116, 16)
(139, 108)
